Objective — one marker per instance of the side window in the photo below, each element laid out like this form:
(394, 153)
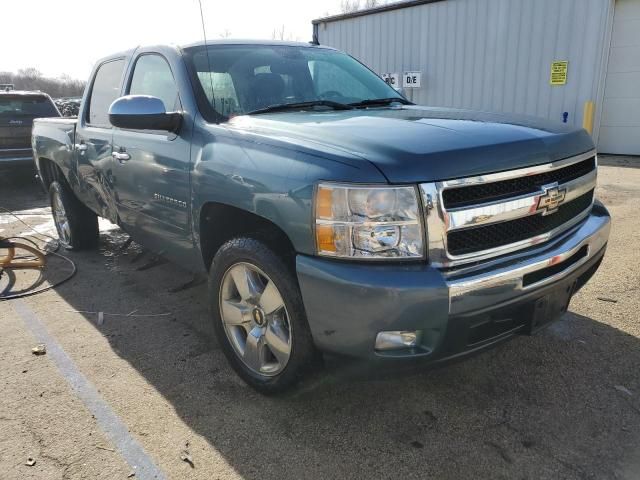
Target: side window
(106, 88)
(152, 76)
(330, 77)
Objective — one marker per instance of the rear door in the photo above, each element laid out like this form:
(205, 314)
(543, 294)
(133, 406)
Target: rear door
(93, 139)
(152, 185)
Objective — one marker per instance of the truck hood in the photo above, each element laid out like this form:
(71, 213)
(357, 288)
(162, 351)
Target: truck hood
(414, 144)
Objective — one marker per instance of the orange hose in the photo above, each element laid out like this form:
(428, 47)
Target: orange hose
(8, 260)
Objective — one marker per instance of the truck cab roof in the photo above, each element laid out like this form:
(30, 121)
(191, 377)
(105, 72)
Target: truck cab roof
(201, 43)
(228, 41)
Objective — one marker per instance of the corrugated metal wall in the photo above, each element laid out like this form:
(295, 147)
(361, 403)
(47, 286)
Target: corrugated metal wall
(491, 55)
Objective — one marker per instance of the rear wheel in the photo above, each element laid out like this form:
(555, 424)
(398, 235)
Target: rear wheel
(259, 316)
(77, 226)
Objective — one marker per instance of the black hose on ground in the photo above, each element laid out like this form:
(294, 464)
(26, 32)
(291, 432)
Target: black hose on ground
(46, 252)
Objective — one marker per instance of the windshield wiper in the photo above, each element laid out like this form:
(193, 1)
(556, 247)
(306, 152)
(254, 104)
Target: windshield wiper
(381, 101)
(300, 105)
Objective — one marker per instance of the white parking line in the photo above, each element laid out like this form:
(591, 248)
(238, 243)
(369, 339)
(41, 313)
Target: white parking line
(114, 428)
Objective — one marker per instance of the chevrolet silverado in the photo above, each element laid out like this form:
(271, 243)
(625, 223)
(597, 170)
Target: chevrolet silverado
(330, 214)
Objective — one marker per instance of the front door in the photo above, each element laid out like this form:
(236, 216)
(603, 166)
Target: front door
(151, 173)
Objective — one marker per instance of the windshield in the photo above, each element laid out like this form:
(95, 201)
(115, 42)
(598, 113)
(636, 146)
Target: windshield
(239, 79)
(26, 105)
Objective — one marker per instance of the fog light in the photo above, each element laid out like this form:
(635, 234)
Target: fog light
(397, 340)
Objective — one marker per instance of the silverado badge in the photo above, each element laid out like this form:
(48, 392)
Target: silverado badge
(551, 198)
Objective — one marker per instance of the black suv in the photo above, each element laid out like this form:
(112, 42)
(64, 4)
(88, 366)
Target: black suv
(17, 111)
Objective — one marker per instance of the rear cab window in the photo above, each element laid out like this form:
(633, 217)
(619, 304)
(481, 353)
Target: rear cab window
(225, 99)
(105, 89)
(328, 77)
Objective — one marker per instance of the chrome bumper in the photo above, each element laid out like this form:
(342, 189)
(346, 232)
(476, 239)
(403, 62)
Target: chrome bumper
(474, 290)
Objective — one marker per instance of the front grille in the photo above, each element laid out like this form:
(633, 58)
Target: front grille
(477, 239)
(487, 192)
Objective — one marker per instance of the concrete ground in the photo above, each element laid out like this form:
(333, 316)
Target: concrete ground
(148, 392)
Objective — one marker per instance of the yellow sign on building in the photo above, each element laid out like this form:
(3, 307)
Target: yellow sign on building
(559, 73)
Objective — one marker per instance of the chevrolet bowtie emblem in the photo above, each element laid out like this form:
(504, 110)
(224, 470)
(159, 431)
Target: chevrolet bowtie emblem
(551, 198)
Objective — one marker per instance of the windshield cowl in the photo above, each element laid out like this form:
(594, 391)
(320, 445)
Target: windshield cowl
(302, 106)
(314, 105)
(378, 102)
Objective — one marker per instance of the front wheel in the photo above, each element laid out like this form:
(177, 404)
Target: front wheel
(77, 226)
(259, 317)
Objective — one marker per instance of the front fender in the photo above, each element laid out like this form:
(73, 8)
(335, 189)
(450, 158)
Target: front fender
(269, 178)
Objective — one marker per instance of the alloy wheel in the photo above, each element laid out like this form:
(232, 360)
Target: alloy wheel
(255, 319)
(60, 218)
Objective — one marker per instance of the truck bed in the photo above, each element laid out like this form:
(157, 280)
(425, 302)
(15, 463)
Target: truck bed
(54, 139)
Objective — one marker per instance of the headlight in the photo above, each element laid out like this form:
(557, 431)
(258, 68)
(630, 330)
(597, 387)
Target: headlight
(368, 222)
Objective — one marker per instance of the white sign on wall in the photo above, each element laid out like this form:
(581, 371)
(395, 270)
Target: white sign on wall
(411, 79)
(392, 79)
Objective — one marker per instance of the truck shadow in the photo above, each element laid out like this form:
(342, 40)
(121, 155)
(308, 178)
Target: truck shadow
(540, 406)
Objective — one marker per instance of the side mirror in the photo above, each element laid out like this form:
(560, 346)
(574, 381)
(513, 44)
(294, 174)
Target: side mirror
(143, 112)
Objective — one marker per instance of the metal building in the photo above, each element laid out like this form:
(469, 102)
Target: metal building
(578, 59)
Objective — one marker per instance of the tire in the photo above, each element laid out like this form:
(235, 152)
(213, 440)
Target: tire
(237, 317)
(77, 226)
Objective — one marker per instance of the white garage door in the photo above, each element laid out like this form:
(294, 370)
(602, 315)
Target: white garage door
(620, 124)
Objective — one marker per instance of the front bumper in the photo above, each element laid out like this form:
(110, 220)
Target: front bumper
(458, 311)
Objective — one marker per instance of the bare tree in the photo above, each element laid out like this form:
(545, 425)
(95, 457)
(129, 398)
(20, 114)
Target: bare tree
(30, 73)
(278, 33)
(6, 77)
(32, 79)
(350, 6)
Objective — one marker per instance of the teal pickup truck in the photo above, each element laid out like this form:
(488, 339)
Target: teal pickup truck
(330, 213)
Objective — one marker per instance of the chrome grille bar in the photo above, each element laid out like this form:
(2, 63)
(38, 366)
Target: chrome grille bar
(440, 220)
(514, 208)
(521, 172)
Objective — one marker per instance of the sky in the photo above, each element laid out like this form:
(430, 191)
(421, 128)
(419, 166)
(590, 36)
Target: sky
(67, 36)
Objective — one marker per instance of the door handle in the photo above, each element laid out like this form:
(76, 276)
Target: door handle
(81, 147)
(121, 156)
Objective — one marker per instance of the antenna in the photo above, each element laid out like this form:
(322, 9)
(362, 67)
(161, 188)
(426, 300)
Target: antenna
(206, 47)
